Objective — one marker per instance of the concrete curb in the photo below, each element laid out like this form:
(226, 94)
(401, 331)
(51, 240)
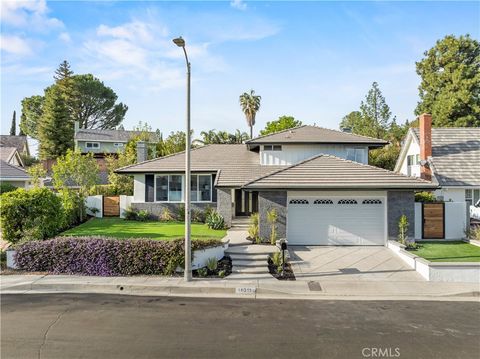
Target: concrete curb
(223, 289)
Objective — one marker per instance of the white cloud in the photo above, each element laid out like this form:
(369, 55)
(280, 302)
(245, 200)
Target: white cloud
(65, 37)
(238, 4)
(32, 15)
(15, 45)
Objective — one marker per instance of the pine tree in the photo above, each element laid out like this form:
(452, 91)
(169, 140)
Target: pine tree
(55, 131)
(63, 72)
(13, 128)
(376, 113)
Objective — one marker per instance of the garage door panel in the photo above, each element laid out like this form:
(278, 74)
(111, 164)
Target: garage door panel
(325, 221)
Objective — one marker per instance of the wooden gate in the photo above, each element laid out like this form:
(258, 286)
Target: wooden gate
(433, 220)
(111, 206)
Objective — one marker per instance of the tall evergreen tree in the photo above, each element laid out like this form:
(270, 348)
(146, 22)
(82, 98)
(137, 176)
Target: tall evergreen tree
(375, 113)
(450, 86)
(55, 132)
(20, 131)
(13, 128)
(63, 72)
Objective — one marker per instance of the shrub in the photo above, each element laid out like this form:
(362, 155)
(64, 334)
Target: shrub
(212, 264)
(181, 212)
(73, 206)
(198, 216)
(130, 214)
(473, 232)
(277, 260)
(272, 217)
(222, 273)
(166, 215)
(32, 214)
(143, 215)
(215, 221)
(253, 229)
(202, 272)
(103, 256)
(425, 197)
(104, 190)
(207, 212)
(6, 187)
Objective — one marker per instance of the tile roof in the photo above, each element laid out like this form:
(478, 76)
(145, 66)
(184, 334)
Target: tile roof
(109, 135)
(19, 142)
(455, 155)
(6, 153)
(235, 164)
(8, 171)
(326, 171)
(314, 134)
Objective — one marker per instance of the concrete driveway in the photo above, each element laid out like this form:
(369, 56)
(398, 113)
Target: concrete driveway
(349, 263)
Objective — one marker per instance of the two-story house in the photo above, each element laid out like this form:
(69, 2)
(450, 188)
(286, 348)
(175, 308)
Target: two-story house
(449, 157)
(317, 179)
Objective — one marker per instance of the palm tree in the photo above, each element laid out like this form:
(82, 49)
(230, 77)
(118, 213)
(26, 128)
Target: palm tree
(250, 104)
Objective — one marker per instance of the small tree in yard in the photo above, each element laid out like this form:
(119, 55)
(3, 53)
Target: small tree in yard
(37, 172)
(272, 217)
(75, 169)
(402, 229)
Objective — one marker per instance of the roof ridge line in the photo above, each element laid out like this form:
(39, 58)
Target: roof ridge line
(275, 133)
(354, 134)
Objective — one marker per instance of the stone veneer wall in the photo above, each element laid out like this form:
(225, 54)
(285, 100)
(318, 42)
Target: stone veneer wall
(156, 209)
(266, 201)
(224, 204)
(400, 202)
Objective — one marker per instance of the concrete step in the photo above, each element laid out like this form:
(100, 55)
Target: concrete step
(251, 249)
(248, 257)
(261, 264)
(250, 270)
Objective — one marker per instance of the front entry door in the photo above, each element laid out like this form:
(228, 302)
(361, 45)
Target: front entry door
(246, 203)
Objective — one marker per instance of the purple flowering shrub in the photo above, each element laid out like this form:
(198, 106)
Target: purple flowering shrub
(104, 256)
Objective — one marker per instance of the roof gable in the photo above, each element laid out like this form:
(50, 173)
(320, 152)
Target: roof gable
(314, 134)
(326, 171)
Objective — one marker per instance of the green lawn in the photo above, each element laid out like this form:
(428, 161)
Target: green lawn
(120, 228)
(448, 252)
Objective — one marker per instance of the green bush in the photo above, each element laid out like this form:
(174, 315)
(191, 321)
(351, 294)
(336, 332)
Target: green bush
(33, 214)
(6, 187)
(424, 197)
(167, 215)
(215, 221)
(277, 260)
(143, 215)
(104, 190)
(253, 230)
(181, 212)
(198, 216)
(73, 206)
(130, 214)
(212, 264)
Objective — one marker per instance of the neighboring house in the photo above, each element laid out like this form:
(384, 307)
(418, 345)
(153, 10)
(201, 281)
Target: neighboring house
(11, 167)
(19, 142)
(317, 179)
(449, 157)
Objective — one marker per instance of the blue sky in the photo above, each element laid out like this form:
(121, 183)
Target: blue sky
(313, 60)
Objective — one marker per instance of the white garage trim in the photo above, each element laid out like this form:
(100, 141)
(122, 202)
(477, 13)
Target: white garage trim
(337, 217)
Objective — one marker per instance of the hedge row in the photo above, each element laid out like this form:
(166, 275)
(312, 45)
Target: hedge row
(103, 256)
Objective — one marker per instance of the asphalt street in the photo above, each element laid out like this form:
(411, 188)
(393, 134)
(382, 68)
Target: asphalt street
(114, 326)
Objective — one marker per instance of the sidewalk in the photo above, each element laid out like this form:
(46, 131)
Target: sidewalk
(267, 288)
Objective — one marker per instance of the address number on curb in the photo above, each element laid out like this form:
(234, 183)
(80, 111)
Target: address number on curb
(245, 290)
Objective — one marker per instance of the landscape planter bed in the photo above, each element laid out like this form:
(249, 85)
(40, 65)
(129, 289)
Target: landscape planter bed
(287, 275)
(461, 272)
(224, 264)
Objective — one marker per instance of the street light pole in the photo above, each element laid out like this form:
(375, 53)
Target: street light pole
(188, 244)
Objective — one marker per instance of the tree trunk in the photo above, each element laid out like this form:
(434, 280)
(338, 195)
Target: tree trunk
(251, 131)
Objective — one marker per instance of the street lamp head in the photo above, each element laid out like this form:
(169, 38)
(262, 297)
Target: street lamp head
(179, 41)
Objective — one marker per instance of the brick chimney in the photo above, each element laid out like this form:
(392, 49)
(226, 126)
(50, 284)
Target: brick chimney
(425, 124)
(142, 151)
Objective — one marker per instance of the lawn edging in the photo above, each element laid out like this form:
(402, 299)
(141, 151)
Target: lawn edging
(464, 272)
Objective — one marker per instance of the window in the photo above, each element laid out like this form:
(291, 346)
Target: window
(347, 201)
(272, 147)
(372, 201)
(472, 196)
(413, 160)
(323, 201)
(175, 188)
(355, 154)
(162, 188)
(92, 145)
(118, 144)
(169, 188)
(298, 201)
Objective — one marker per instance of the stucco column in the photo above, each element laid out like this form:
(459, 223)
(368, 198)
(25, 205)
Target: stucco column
(399, 203)
(266, 201)
(224, 204)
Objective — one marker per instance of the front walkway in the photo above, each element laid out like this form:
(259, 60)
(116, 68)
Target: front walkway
(355, 263)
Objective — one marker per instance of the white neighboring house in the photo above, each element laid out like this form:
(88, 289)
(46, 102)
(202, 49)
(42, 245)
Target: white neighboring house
(11, 168)
(449, 156)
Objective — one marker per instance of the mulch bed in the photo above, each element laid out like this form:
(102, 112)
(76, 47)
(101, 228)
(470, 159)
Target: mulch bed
(287, 275)
(224, 264)
(261, 243)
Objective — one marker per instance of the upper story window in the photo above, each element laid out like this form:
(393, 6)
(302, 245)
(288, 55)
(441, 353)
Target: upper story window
(272, 147)
(356, 154)
(413, 160)
(92, 145)
(118, 144)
